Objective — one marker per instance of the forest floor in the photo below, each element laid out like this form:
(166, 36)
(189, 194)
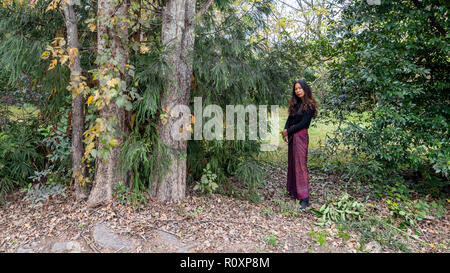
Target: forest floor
(210, 223)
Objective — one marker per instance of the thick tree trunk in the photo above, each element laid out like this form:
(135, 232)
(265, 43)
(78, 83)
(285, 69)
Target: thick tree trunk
(107, 173)
(178, 36)
(81, 190)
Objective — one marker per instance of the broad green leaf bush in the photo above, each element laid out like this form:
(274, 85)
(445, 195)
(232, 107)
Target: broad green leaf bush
(400, 78)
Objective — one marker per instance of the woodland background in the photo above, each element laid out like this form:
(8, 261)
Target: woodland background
(86, 89)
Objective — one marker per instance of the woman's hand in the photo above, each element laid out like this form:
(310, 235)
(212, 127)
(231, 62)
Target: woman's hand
(285, 136)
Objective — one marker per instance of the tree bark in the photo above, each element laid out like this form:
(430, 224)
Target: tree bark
(81, 190)
(107, 174)
(178, 35)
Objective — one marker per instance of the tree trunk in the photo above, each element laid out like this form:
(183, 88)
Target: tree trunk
(113, 39)
(81, 190)
(178, 35)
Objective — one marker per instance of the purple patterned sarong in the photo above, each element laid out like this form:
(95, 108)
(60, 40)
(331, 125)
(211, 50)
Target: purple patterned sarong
(298, 176)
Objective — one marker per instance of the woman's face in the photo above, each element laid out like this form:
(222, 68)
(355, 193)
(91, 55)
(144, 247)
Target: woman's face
(299, 91)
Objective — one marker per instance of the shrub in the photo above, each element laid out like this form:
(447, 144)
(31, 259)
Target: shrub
(38, 194)
(20, 156)
(127, 196)
(207, 183)
(407, 130)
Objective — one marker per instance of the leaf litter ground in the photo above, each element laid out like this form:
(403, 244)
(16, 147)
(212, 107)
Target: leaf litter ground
(214, 223)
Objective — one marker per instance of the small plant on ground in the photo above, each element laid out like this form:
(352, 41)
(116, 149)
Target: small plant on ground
(39, 194)
(319, 236)
(267, 212)
(127, 196)
(288, 209)
(196, 211)
(410, 212)
(207, 183)
(342, 232)
(401, 211)
(272, 240)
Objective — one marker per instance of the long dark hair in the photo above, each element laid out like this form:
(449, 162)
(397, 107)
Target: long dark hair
(298, 105)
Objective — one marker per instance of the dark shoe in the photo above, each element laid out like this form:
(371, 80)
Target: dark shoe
(304, 203)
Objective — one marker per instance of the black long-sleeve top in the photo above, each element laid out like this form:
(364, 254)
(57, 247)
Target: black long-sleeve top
(300, 121)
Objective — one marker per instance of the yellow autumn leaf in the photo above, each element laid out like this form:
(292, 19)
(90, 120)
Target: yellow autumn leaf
(113, 142)
(45, 55)
(57, 41)
(89, 100)
(133, 118)
(64, 59)
(88, 149)
(50, 7)
(53, 64)
(144, 49)
(92, 26)
(112, 82)
(73, 51)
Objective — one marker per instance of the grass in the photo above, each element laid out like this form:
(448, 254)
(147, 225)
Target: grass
(20, 112)
(318, 131)
(374, 229)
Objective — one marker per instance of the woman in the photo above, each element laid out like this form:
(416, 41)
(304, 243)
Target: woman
(302, 108)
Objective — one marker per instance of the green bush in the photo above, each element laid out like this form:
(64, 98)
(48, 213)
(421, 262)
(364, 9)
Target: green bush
(391, 75)
(227, 159)
(21, 154)
(38, 195)
(127, 196)
(207, 183)
(58, 146)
